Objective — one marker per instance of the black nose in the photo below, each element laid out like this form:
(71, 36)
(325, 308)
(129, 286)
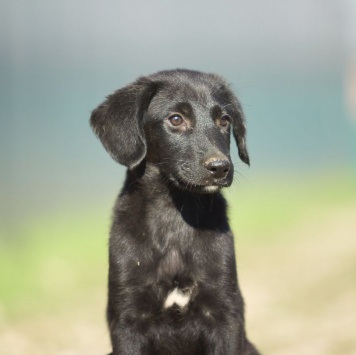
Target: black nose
(219, 168)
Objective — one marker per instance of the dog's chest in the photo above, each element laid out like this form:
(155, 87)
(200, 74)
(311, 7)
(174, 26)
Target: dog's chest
(168, 263)
(173, 262)
(177, 278)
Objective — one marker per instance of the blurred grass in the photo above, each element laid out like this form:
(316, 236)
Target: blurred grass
(58, 258)
(58, 255)
(273, 203)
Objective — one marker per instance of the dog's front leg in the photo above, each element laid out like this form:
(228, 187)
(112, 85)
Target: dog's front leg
(126, 341)
(231, 344)
(225, 340)
(127, 336)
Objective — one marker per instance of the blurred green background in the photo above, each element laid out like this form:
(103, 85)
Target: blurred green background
(293, 212)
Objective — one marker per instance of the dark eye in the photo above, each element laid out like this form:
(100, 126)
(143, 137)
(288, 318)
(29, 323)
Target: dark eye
(224, 120)
(176, 120)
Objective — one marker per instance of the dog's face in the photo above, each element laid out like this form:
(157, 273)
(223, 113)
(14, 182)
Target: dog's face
(179, 121)
(187, 132)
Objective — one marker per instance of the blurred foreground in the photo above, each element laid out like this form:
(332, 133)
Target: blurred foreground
(296, 250)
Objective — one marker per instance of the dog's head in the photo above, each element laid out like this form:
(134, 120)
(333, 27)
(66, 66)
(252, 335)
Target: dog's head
(178, 120)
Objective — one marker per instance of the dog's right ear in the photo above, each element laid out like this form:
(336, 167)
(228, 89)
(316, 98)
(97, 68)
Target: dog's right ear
(118, 122)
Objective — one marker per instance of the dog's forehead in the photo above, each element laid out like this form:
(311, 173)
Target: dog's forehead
(194, 92)
(196, 96)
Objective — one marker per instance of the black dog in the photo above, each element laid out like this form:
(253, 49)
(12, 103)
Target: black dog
(172, 277)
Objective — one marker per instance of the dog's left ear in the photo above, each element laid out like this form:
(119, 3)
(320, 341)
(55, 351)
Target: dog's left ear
(226, 97)
(239, 132)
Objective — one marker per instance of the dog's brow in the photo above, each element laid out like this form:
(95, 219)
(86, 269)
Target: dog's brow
(185, 108)
(228, 105)
(215, 111)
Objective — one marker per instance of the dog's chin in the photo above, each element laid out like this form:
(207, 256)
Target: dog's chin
(211, 188)
(208, 188)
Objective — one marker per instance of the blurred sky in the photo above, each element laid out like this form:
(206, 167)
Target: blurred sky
(286, 60)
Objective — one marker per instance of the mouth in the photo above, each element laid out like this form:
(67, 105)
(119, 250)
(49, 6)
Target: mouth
(212, 188)
(209, 187)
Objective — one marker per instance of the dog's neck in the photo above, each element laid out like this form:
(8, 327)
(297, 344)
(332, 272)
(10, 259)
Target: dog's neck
(199, 210)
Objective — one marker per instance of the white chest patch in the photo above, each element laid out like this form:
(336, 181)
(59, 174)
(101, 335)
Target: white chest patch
(177, 297)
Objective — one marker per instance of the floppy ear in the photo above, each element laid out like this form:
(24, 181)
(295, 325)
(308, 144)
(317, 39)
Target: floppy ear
(233, 106)
(226, 97)
(118, 122)
(239, 132)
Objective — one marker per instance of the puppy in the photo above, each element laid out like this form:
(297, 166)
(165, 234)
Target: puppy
(172, 275)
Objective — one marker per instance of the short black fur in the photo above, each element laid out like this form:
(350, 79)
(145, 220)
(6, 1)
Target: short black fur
(170, 238)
